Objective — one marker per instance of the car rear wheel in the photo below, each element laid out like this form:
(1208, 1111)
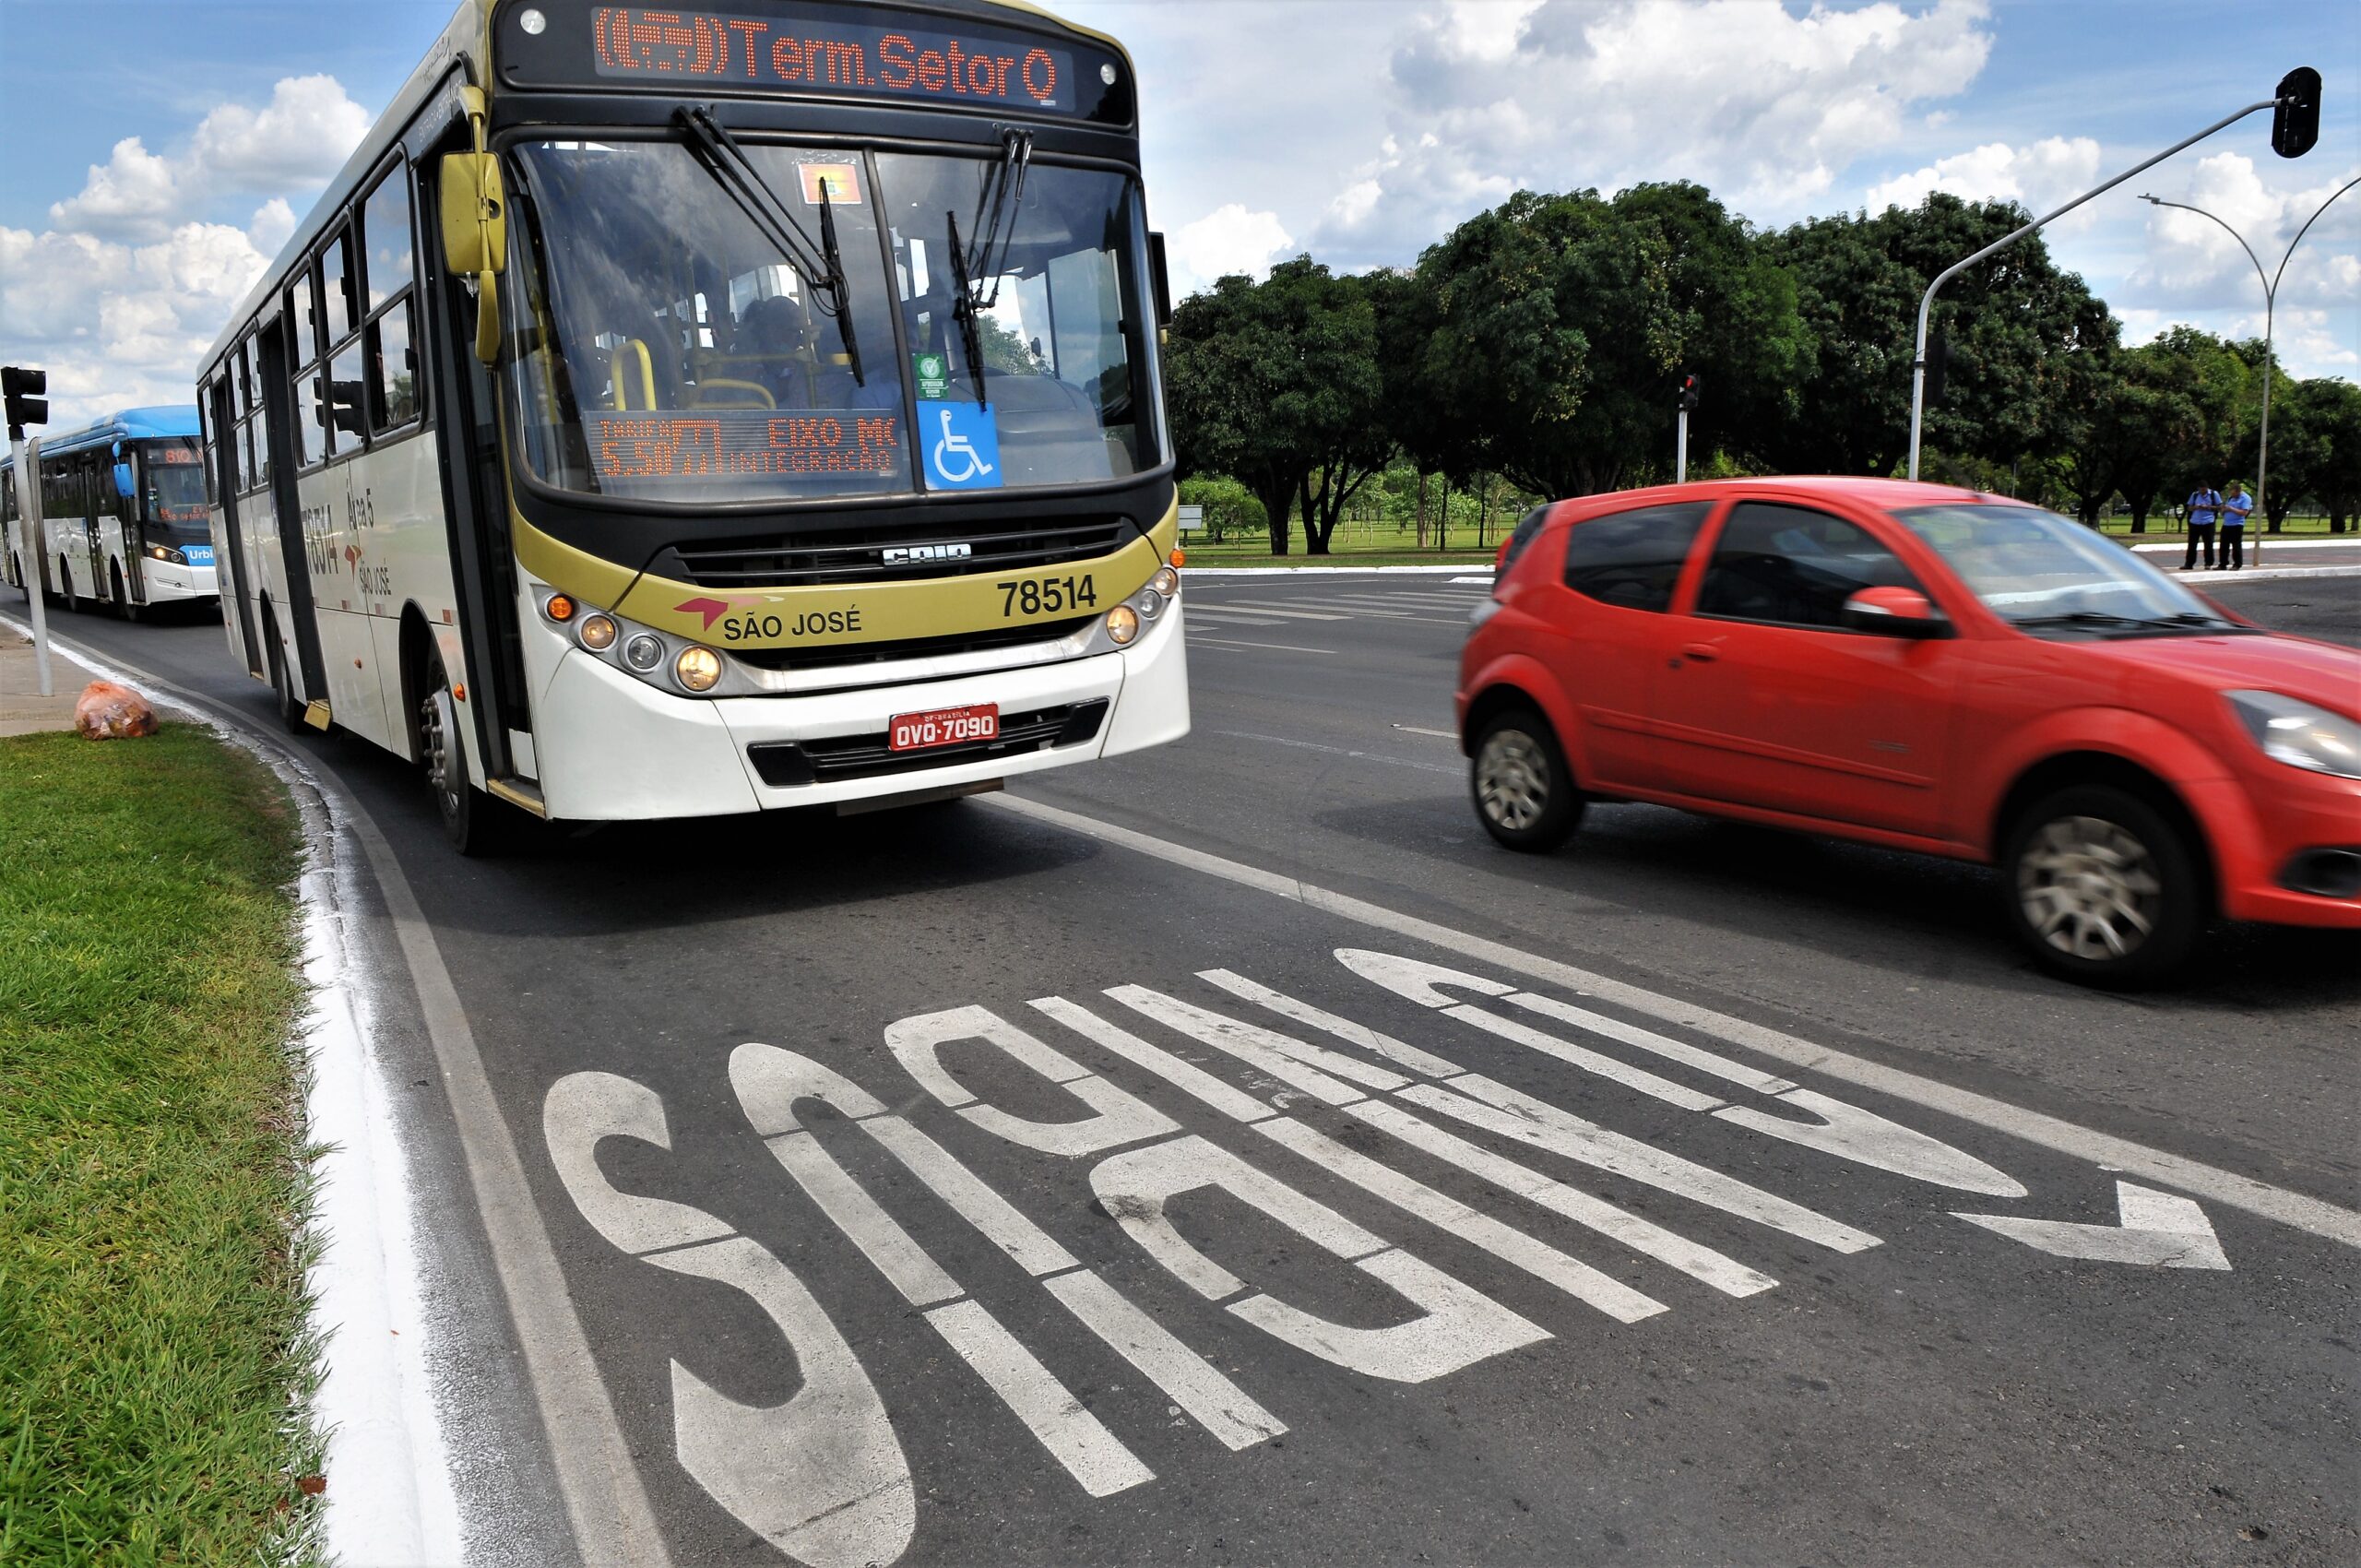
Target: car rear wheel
(1525, 793)
(2103, 889)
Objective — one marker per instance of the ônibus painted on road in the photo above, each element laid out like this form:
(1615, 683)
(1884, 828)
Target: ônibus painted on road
(672, 413)
(122, 515)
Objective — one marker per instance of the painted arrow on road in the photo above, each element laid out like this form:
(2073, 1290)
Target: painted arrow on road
(2158, 1230)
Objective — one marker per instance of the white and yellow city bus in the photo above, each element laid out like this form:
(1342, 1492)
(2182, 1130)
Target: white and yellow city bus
(122, 515)
(672, 413)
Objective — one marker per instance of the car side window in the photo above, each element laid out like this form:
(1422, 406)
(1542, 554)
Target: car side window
(1632, 559)
(1794, 567)
(1527, 526)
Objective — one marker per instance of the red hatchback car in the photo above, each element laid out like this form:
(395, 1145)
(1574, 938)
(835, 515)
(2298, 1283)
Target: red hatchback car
(1929, 669)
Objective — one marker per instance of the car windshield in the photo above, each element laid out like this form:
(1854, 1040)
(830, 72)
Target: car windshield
(2052, 578)
(665, 349)
(175, 498)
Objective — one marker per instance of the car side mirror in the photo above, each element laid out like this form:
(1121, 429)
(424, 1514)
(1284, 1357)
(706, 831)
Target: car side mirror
(1895, 612)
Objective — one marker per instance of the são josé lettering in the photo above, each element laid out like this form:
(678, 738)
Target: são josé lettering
(811, 624)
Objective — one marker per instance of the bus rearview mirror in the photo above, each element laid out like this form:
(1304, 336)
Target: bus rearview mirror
(123, 485)
(475, 213)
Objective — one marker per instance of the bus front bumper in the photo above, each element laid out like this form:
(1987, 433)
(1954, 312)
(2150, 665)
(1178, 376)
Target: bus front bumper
(612, 748)
(165, 582)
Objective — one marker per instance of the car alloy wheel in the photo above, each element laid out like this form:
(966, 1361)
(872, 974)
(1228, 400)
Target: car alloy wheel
(2090, 888)
(1512, 780)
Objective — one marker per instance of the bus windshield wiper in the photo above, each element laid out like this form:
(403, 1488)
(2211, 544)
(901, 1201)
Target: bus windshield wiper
(963, 309)
(821, 266)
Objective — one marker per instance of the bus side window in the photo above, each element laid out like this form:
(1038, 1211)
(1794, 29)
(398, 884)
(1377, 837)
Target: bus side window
(388, 269)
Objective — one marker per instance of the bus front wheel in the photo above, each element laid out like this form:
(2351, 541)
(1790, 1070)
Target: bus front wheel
(68, 598)
(473, 821)
(122, 605)
(283, 687)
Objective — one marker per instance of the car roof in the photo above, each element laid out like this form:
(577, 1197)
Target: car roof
(1884, 494)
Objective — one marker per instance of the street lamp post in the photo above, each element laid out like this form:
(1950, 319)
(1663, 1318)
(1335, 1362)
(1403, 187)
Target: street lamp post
(2270, 318)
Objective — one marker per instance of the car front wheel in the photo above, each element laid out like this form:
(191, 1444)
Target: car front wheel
(1525, 793)
(2103, 889)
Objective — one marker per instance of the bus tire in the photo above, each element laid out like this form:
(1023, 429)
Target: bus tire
(122, 605)
(477, 824)
(283, 687)
(67, 598)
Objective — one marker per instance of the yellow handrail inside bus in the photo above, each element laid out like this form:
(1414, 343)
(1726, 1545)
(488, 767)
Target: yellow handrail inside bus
(750, 388)
(619, 367)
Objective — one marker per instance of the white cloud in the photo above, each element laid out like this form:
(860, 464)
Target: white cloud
(137, 276)
(1764, 105)
(1228, 239)
(2038, 177)
(2193, 263)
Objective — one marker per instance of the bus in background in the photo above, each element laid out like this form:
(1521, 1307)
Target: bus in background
(123, 515)
(669, 413)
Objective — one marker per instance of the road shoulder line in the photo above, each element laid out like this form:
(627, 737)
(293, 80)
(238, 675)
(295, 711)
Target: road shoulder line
(2104, 1150)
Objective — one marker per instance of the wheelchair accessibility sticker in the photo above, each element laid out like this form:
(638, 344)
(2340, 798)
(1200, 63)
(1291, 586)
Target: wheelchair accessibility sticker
(962, 446)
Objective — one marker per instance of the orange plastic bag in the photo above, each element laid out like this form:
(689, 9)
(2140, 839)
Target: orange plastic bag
(108, 712)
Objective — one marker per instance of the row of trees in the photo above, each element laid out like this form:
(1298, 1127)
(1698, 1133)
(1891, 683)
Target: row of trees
(1539, 343)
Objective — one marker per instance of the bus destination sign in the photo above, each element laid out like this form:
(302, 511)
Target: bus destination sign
(983, 68)
(743, 442)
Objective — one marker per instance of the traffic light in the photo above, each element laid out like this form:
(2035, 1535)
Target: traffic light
(1939, 366)
(27, 394)
(1688, 392)
(2295, 122)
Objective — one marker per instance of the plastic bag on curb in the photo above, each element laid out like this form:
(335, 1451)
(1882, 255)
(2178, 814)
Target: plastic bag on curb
(108, 712)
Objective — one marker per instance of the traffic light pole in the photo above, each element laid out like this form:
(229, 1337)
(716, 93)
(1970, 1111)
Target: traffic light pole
(1918, 360)
(1680, 450)
(30, 543)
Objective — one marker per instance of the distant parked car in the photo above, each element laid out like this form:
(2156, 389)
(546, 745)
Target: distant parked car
(1929, 669)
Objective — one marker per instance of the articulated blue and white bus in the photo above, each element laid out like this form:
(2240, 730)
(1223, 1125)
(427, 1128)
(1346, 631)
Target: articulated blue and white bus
(124, 522)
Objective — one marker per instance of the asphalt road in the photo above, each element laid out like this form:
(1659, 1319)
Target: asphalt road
(1093, 1177)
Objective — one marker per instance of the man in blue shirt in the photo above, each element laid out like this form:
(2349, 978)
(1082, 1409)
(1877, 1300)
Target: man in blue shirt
(2234, 527)
(2204, 506)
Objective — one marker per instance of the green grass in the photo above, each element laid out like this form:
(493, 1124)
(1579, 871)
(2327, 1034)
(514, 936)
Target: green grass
(154, 1360)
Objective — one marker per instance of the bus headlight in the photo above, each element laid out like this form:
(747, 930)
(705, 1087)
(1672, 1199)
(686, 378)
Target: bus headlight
(1122, 623)
(1167, 581)
(596, 631)
(644, 652)
(166, 552)
(698, 668)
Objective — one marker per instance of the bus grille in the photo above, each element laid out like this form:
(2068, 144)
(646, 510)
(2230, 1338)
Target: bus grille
(857, 555)
(849, 654)
(866, 756)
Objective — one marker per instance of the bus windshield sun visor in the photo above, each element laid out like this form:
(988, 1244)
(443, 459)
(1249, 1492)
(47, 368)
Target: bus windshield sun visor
(820, 267)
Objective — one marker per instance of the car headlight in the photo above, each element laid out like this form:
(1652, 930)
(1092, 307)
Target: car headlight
(2299, 734)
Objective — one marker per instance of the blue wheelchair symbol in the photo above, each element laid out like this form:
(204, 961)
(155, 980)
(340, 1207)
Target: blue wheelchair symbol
(962, 442)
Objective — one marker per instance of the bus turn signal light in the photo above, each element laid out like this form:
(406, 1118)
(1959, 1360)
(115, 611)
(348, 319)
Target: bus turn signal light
(558, 608)
(1179, 557)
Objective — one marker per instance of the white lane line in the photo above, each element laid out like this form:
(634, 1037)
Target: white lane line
(606, 1504)
(2291, 1208)
(1438, 734)
(1232, 645)
(1200, 616)
(1091, 1453)
(1484, 579)
(1256, 607)
(1335, 750)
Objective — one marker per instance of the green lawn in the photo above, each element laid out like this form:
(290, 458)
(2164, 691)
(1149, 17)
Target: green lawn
(154, 1362)
(2296, 527)
(1354, 545)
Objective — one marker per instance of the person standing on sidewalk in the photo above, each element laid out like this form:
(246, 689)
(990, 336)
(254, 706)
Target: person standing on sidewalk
(2204, 505)
(2234, 527)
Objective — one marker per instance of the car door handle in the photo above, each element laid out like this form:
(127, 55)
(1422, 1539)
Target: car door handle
(1704, 653)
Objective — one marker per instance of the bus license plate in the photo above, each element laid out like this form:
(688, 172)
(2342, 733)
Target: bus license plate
(945, 726)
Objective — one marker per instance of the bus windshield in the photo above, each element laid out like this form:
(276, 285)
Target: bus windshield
(664, 349)
(173, 502)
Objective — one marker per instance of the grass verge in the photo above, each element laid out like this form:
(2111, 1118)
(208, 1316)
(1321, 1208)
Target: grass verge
(154, 1357)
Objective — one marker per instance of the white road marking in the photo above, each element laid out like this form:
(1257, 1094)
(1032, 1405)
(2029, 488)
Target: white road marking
(1359, 606)
(1458, 1327)
(1208, 616)
(1841, 1129)
(1246, 606)
(1335, 750)
(1368, 1039)
(1510, 1246)
(2278, 1204)
(1269, 647)
(1438, 734)
(1119, 1118)
(1078, 1440)
(820, 1476)
(2160, 1230)
(1186, 1377)
(1484, 579)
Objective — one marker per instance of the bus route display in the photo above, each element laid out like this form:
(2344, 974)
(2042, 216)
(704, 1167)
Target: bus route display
(745, 443)
(980, 68)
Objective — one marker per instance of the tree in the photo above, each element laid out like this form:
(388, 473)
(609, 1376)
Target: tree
(2319, 455)
(1277, 382)
(2015, 324)
(1231, 508)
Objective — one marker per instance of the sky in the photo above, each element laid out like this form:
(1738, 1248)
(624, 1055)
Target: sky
(155, 154)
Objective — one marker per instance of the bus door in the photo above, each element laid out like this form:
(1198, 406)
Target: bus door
(301, 616)
(466, 410)
(237, 600)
